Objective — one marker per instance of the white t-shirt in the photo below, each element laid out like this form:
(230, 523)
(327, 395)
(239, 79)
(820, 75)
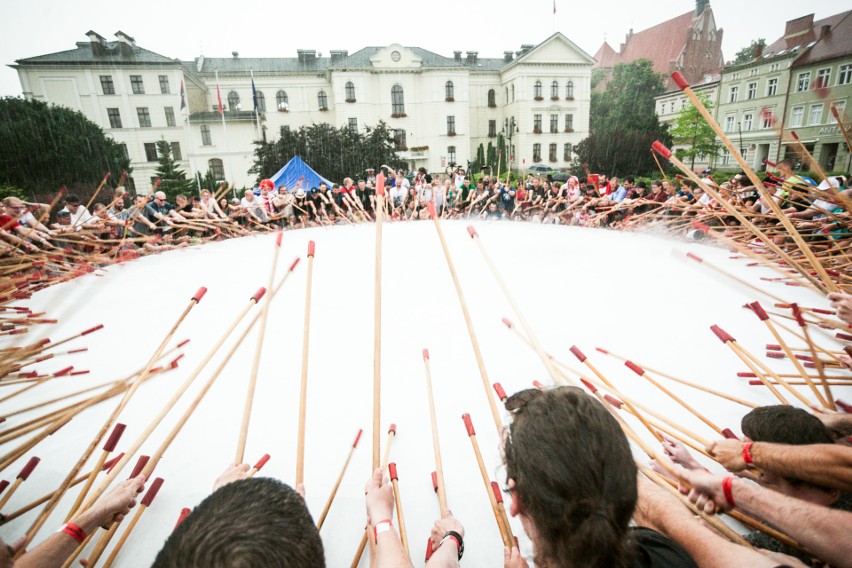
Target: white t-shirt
(81, 216)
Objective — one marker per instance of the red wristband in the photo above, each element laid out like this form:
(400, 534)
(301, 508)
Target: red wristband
(380, 527)
(728, 491)
(747, 453)
(74, 532)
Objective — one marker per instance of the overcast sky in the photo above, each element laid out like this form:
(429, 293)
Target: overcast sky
(277, 28)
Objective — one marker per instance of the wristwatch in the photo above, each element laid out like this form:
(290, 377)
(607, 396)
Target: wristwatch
(459, 541)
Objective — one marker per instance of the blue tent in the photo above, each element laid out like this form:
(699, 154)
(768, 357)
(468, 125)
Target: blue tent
(298, 174)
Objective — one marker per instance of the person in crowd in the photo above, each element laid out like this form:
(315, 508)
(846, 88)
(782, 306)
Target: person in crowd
(79, 214)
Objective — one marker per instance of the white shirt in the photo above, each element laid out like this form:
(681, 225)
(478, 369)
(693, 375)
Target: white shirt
(81, 216)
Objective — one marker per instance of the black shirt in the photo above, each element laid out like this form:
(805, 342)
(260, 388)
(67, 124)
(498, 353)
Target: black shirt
(654, 550)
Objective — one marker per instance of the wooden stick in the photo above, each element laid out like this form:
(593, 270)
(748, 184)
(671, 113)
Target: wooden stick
(108, 448)
(241, 442)
(258, 466)
(377, 326)
(728, 340)
(363, 544)
(829, 399)
(331, 497)
(400, 518)
(303, 391)
(826, 282)
(471, 333)
(22, 476)
(436, 445)
(696, 386)
(144, 504)
(94, 195)
(505, 531)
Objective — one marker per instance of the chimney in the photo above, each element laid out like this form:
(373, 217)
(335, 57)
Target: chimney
(125, 42)
(338, 55)
(799, 25)
(457, 56)
(758, 51)
(525, 47)
(825, 29)
(307, 56)
(199, 64)
(508, 55)
(699, 6)
(97, 41)
(471, 57)
(235, 54)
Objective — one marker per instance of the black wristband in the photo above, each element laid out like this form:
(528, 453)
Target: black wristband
(458, 538)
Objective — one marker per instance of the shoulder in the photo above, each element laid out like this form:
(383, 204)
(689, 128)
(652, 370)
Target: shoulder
(653, 550)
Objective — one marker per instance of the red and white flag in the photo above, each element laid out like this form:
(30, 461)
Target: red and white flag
(219, 98)
(554, 6)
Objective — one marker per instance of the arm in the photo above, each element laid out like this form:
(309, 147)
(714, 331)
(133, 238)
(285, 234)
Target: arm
(446, 553)
(823, 531)
(661, 511)
(379, 496)
(828, 465)
(59, 546)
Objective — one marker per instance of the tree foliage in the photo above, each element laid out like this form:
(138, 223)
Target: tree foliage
(172, 179)
(335, 153)
(691, 130)
(45, 147)
(747, 53)
(623, 122)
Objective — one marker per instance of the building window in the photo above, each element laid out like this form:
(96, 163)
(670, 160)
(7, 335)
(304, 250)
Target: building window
(150, 151)
(492, 128)
(537, 91)
(569, 123)
(144, 117)
(844, 74)
(170, 116)
(350, 92)
(816, 115)
(164, 85)
(322, 100)
(233, 101)
(552, 156)
(451, 126)
(554, 123)
(536, 152)
(803, 82)
(281, 100)
(767, 118)
(114, 118)
(217, 169)
(751, 91)
(260, 101)
(772, 87)
(568, 149)
(513, 92)
(451, 154)
(449, 91)
(733, 94)
(554, 91)
(796, 116)
(353, 125)
(397, 101)
(537, 123)
(136, 85)
(748, 119)
(399, 140)
(729, 123)
(492, 98)
(569, 91)
(176, 153)
(107, 86)
(823, 78)
(206, 139)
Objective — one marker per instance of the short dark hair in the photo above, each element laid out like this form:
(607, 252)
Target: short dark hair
(630, 179)
(71, 198)
(581, 497)
(258, 522)
(781, 424)
(642, 184)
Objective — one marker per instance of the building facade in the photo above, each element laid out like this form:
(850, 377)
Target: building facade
(440, 108)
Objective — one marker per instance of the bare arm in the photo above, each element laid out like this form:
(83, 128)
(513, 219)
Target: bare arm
(829, 465)
(389, 550)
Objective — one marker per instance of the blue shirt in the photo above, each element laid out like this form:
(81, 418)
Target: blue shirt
(619, 194)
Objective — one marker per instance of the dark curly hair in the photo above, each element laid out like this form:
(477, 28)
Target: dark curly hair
(574, 475)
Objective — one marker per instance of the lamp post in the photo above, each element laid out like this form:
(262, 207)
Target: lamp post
(510, 127)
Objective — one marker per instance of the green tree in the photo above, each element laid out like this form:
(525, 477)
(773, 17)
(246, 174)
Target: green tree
(623, 122)
(45, 147)
(690, 129)
(335, 153)
(747, 53)
(173, 180)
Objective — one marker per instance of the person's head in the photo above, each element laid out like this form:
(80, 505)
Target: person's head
(629, 181)
(613, 182)
(159, 198)
(781, 424)
(63, 218)
(181, 200)
(575, 503)
(72, 202)
(347, 182)
(223, 202)
(492, 207)
(251, 522)
(99, 210)
(641, 187)
(249, 194)
(14, 206)
(362, 185)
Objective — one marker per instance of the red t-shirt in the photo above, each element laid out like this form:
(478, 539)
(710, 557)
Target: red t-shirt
(7, 223)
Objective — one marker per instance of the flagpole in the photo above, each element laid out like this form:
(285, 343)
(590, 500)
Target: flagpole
(254, 100)
(224, 130)
(184, 109)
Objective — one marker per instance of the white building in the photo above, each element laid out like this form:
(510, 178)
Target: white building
(441, 108)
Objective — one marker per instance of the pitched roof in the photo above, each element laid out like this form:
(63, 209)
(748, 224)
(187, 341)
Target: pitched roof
(606, 56)
(662, 44)
(242, 65)
(112, 53)
(837, 42)
(361, 59)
